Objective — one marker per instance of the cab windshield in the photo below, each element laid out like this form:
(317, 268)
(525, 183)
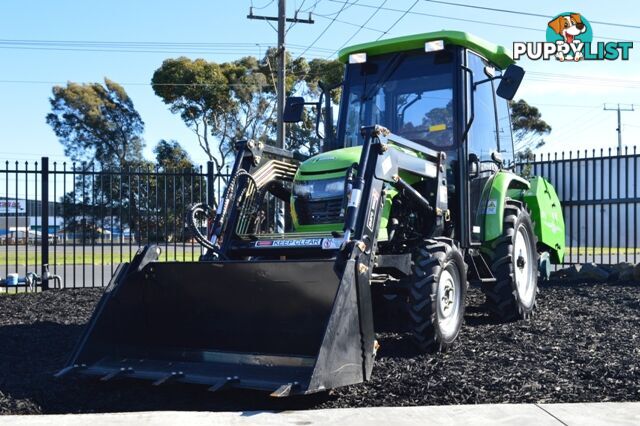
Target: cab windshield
(410, 93)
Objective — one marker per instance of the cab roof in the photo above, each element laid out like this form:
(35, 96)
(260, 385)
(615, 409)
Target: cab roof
(499, 55)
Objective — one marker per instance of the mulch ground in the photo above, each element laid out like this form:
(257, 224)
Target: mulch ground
(583, 345)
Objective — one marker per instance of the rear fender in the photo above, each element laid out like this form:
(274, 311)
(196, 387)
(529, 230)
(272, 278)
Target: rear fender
(493, 201)
(546, 212)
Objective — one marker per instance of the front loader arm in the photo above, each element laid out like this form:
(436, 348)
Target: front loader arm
(384, 156)
(264, 166)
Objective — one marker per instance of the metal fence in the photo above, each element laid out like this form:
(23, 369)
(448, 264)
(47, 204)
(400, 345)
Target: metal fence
(599, 194)
(83, 221)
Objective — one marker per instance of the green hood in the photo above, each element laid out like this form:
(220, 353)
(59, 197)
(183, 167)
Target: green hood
(332, 162)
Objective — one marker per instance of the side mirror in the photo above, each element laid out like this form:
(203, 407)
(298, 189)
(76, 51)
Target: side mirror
(474, 165)
(510, 82)
(293, 108)
(497, 158)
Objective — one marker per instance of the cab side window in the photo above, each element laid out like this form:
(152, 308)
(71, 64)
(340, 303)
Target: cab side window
(504, 129)
(483, 135)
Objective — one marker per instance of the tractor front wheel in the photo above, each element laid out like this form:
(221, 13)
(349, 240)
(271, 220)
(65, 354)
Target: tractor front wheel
(437, 295)
(514, 262)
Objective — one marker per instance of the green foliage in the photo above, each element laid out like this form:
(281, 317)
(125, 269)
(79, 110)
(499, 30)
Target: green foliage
(216, 100)
(528, 128)
(97, 122)
(236, 100)
(330, 72)
(171, 156)
(176, 182)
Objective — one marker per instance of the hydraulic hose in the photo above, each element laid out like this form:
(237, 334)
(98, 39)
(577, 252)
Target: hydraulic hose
(210, 214)
(192, 220)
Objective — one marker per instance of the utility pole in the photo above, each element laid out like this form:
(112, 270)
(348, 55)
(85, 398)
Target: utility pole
(282, 56)
(282, 65)
(619, 109)
(281, 87)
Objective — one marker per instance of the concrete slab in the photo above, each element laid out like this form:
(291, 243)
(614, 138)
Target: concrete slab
(594, 414)
(489, 414)
(443, 415)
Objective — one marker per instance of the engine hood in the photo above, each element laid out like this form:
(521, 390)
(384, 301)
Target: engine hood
(332, 162)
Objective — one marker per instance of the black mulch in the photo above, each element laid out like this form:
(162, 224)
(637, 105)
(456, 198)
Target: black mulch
(584, 345)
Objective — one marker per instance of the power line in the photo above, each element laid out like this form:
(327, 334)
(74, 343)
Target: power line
(569, 81)
(519, 12)
(474, 21)
(360, 28)
(399, 19)
(342, 9)
(582, 77)
(295, 15)
(108, 43)
(619, 109)
(344, 5)
(353, 24)
(311, 8)
(580, 123)
(138, 84)
(569, 106)
(126, 46)
(262, 7)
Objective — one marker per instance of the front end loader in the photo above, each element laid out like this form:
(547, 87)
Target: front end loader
(410, 201)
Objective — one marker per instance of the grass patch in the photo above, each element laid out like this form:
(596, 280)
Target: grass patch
(600, 251)
(92, 258)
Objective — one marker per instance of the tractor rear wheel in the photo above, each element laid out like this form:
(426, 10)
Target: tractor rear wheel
(437, 294)
(514, 263)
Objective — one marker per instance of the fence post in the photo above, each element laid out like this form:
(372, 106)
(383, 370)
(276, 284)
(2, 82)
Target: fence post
(44, 222)
(210, 180)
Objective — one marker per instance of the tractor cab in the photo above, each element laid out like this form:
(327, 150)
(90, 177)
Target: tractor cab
(442, 90)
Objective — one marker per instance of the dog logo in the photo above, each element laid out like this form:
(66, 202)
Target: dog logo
(570, 39)
(569, 28)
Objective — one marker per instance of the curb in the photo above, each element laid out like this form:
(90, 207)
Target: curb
(620, 413)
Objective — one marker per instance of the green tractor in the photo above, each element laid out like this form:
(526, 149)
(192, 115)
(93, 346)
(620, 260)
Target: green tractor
(409, 202)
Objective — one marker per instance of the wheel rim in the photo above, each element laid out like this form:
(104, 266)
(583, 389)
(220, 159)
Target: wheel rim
(524, 266)
(448, 300)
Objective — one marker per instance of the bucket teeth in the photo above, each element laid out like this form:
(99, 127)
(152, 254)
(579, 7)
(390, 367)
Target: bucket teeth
(224, 383)
(169, 378)
(117, 373)
(68, 370)
(284, 390)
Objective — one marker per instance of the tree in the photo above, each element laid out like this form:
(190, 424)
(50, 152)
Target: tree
(528, 128)
(178, 182)
(198, 91)
(171, 156)
(236, 100)
(99, 126)
(97, 122)
(302, 136)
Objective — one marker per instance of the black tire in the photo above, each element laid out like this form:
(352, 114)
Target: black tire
(513, 295)
(440, 279)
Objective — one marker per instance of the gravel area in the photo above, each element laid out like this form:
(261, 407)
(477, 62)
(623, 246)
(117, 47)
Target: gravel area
(583, 345)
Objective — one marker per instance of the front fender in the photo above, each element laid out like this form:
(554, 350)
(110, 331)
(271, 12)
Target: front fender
(493, 200)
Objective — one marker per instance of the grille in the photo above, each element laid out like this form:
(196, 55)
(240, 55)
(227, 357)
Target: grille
(315, 212)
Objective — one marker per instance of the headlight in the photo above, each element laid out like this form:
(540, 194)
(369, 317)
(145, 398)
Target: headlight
(303, 190)
(319, 189)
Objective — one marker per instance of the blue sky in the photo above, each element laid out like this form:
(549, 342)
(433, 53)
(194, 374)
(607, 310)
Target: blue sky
(570, 95)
